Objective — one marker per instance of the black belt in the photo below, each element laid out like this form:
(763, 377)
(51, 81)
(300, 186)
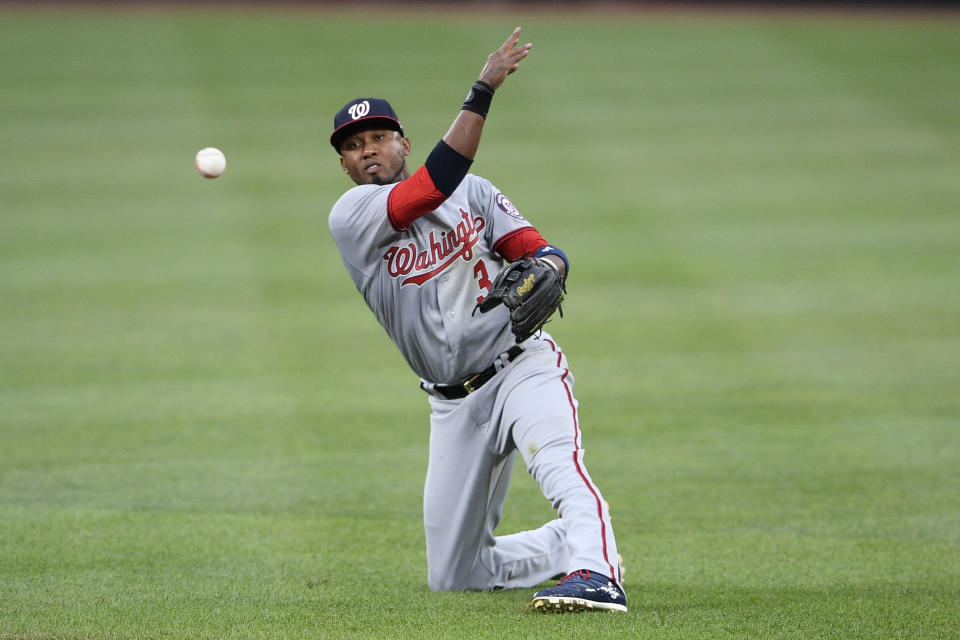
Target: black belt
(477, 380)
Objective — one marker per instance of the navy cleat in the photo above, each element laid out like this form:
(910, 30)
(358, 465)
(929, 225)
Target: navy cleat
(581, 591)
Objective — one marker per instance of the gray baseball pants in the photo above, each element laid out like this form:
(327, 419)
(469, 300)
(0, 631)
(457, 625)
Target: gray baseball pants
(528, 407)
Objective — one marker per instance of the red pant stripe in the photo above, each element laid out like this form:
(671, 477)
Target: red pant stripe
(576, 461)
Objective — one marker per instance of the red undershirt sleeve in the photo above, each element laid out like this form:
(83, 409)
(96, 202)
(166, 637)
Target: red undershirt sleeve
(412, 198)
(424, 191)
(521, 243)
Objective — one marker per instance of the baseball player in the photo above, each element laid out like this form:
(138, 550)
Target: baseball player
(463, 284)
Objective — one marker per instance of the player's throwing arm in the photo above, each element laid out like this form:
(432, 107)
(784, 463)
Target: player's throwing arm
(464, 134)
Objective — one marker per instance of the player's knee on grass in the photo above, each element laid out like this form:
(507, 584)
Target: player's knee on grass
(443, 580)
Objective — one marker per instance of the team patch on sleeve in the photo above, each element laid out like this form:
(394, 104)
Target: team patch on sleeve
(507, 207)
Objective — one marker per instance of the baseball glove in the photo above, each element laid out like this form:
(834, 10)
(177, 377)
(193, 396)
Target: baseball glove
(532, 289)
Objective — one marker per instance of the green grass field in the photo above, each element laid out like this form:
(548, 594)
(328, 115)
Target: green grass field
(204, 433)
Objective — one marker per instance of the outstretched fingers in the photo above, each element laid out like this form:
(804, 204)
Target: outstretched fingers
(515, 53)
(505, 60)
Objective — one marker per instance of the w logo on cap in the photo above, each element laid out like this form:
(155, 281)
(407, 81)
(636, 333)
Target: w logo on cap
(375, 112)
(359, 110)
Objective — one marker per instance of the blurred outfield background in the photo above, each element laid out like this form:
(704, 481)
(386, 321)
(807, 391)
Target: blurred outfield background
(204, 433)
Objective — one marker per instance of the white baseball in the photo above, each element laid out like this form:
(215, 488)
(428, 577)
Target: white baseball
(210, 162)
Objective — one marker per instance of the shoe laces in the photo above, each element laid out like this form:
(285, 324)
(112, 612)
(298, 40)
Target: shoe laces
(582, 573)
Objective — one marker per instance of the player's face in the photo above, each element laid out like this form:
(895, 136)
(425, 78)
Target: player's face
(375, 156)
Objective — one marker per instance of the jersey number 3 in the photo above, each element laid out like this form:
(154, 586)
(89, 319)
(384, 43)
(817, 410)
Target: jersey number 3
(482, 278)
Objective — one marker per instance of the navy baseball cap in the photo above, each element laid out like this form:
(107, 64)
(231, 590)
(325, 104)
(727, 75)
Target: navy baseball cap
(375, 111)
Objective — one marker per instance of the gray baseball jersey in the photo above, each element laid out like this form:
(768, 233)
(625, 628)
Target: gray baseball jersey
(423, 284)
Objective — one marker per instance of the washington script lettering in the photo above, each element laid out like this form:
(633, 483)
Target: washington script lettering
(426, 263)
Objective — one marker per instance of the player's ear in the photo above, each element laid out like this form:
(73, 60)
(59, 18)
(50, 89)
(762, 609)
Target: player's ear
(342, 165)
(405, 143)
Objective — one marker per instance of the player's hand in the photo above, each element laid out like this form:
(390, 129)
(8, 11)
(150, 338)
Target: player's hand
(505, 60)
